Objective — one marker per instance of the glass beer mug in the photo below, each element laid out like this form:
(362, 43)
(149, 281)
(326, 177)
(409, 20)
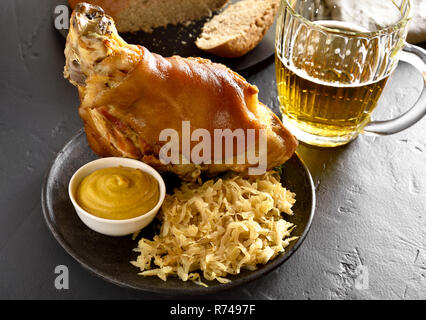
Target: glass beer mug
(332, 64)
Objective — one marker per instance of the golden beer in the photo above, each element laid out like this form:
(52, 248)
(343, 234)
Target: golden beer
(332, 66)
(326, 107)
(328, 86)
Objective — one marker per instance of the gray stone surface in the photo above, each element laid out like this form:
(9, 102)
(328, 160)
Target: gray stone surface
(371, 194)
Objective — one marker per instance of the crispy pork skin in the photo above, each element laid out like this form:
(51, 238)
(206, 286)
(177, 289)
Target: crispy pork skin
(129, 95)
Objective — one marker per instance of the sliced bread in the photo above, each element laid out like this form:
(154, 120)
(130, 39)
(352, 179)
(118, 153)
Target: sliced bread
(135, 15)
(239, 28)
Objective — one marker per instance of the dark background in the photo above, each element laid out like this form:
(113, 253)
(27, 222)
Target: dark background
(371, 194)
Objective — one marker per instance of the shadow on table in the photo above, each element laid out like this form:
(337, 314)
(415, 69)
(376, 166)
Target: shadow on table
(319, 159)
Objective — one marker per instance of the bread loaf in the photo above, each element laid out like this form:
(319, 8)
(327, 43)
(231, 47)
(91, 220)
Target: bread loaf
(134, 15)
(239, 28)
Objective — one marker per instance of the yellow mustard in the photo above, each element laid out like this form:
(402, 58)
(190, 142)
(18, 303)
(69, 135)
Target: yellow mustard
(118, 193)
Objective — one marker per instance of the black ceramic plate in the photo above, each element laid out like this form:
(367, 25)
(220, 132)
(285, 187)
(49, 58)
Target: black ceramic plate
(108, 257)
(180, 40)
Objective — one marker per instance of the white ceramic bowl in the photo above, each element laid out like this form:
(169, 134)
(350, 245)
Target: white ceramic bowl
(114, 227)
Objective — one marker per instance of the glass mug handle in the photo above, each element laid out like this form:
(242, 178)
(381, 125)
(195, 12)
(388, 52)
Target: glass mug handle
(416, 56)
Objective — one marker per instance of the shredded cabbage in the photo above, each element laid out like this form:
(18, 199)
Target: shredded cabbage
(219, 227)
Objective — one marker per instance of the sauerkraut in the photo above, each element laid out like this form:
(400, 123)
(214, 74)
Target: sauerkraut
(218, 228)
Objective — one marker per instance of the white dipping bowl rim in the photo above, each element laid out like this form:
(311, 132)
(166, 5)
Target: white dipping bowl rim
(112, 162)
